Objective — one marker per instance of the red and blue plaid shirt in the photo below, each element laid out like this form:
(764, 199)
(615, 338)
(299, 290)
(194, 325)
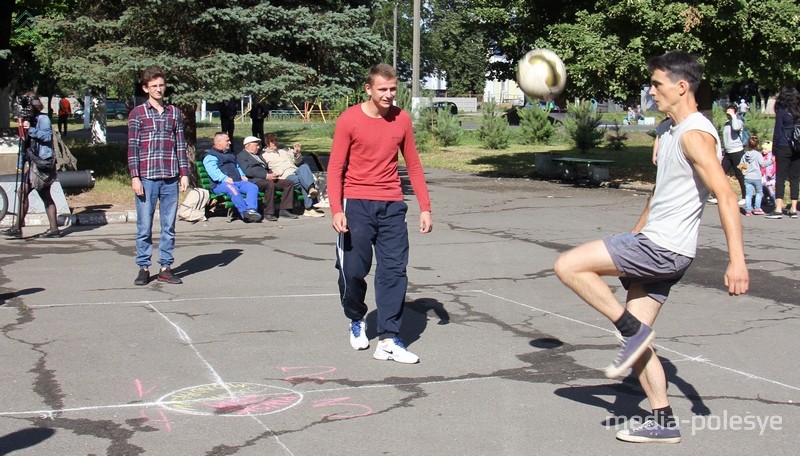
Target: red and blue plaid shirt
(156, 143)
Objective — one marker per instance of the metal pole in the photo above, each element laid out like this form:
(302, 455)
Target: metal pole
(415, 50)
(394, 39)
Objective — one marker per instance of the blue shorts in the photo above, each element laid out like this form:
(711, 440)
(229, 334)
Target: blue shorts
(641, 261)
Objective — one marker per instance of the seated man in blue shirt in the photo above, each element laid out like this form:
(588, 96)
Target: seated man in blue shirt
(229, 178)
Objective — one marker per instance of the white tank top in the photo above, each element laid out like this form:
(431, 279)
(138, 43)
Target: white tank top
(680, 196)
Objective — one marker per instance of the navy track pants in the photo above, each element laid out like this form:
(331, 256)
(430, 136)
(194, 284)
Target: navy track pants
(380, 225)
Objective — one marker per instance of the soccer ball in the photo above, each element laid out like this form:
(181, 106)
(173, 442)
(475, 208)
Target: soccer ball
(541, 74)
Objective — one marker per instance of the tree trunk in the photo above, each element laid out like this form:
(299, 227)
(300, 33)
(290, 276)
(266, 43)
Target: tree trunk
(190, 132)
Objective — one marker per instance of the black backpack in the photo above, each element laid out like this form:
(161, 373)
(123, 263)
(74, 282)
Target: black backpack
(794, 138)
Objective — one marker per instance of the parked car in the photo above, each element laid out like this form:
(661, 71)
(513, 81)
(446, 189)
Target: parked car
(449, 106)
(114, 108)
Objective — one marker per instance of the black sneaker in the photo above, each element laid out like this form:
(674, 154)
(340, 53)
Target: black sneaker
(774, 215)
(270, 217)
(791, 214)
(166, 276)
(286, 214)
(49, 234)
(142, 277)
(12, 232)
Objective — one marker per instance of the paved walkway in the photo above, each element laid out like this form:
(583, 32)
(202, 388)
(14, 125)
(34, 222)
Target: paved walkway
(250, 355)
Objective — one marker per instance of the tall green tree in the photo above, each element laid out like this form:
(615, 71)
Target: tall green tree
(293, 50)
(605, 43)
(458, 51)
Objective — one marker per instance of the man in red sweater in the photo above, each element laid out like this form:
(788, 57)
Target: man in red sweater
(368, 210)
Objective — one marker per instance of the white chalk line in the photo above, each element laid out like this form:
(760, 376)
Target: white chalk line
(175, 300)
(698, 359)
(159, 403)
(184, 336)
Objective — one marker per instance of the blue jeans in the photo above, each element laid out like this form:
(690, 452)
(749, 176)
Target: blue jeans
(753, 185)
(164, 192)
(235, 190)
(303, 178)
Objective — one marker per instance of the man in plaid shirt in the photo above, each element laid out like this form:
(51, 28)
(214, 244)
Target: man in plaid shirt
(159, 168)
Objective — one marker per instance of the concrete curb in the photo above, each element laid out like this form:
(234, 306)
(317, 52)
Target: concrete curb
(82, 219)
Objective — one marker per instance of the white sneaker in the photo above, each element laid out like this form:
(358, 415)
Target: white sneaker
(322, 203)
(394, 350)
(742, 202)
(712, 200)
(358, 335)
(313, 192)
(313, 213)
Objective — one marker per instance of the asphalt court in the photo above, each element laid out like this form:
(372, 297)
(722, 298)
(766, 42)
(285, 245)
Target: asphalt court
(250, 355)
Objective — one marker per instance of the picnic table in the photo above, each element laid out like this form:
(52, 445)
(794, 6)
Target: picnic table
(595, 169)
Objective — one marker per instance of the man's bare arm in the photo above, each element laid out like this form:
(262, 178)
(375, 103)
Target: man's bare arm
(700, 149)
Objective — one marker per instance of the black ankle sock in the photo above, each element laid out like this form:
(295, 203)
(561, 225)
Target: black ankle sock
(627, 325)
(664, 417)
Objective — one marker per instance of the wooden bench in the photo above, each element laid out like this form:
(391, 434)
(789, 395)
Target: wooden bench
(594, 169)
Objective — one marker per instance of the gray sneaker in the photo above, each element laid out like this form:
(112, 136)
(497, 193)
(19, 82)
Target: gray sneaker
(651, 432)
(632, 348)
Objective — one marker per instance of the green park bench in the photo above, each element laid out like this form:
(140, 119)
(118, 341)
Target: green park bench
(223, 200)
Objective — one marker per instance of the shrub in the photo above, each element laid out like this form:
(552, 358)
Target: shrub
(493, 130)
(616, 138)
(581, 125)
(446, 130)
(535, 126)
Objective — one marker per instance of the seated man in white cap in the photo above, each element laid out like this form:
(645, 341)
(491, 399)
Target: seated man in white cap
(257, 171)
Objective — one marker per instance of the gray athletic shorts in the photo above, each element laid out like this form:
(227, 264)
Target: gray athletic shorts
(639, 260)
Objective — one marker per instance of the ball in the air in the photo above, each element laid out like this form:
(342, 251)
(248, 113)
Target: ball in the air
(541, 74)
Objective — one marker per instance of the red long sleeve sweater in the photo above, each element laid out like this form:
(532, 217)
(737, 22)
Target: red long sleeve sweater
(364, 155)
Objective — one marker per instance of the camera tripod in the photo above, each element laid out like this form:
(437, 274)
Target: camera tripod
(19, 175)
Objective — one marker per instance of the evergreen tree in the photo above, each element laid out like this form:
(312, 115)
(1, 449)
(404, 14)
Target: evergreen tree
(293, 51)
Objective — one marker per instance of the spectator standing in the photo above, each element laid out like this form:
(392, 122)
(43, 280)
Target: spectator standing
(64, 112)
(257, 115)
(787, 113)
(257, 171)
(41, 172)
(159, 168)
(743, 108)
(227, 116)
(230, 179)
(752, 162)
(733, 147)
(369, 212)
(768, 172)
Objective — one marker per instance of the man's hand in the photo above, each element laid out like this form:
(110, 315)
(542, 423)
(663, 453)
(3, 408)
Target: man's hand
(340, 222)
(183, 185)
(136, 184)
(425, 222)
(244, 178)
(228, 180)
(737, 279)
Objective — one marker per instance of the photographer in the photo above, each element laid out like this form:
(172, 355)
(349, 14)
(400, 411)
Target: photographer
(41, 172)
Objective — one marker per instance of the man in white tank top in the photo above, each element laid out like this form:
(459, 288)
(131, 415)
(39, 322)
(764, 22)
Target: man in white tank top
(656, 253)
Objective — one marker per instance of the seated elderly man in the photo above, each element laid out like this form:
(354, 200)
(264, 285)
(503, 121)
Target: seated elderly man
(288, 164)
(257, 172)
(229, 178)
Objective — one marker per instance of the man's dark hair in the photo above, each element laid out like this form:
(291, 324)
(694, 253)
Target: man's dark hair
(152, 72)
(383, 70)
(678, 65)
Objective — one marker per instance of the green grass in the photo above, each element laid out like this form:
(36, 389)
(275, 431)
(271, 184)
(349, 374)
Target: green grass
(632, 163)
